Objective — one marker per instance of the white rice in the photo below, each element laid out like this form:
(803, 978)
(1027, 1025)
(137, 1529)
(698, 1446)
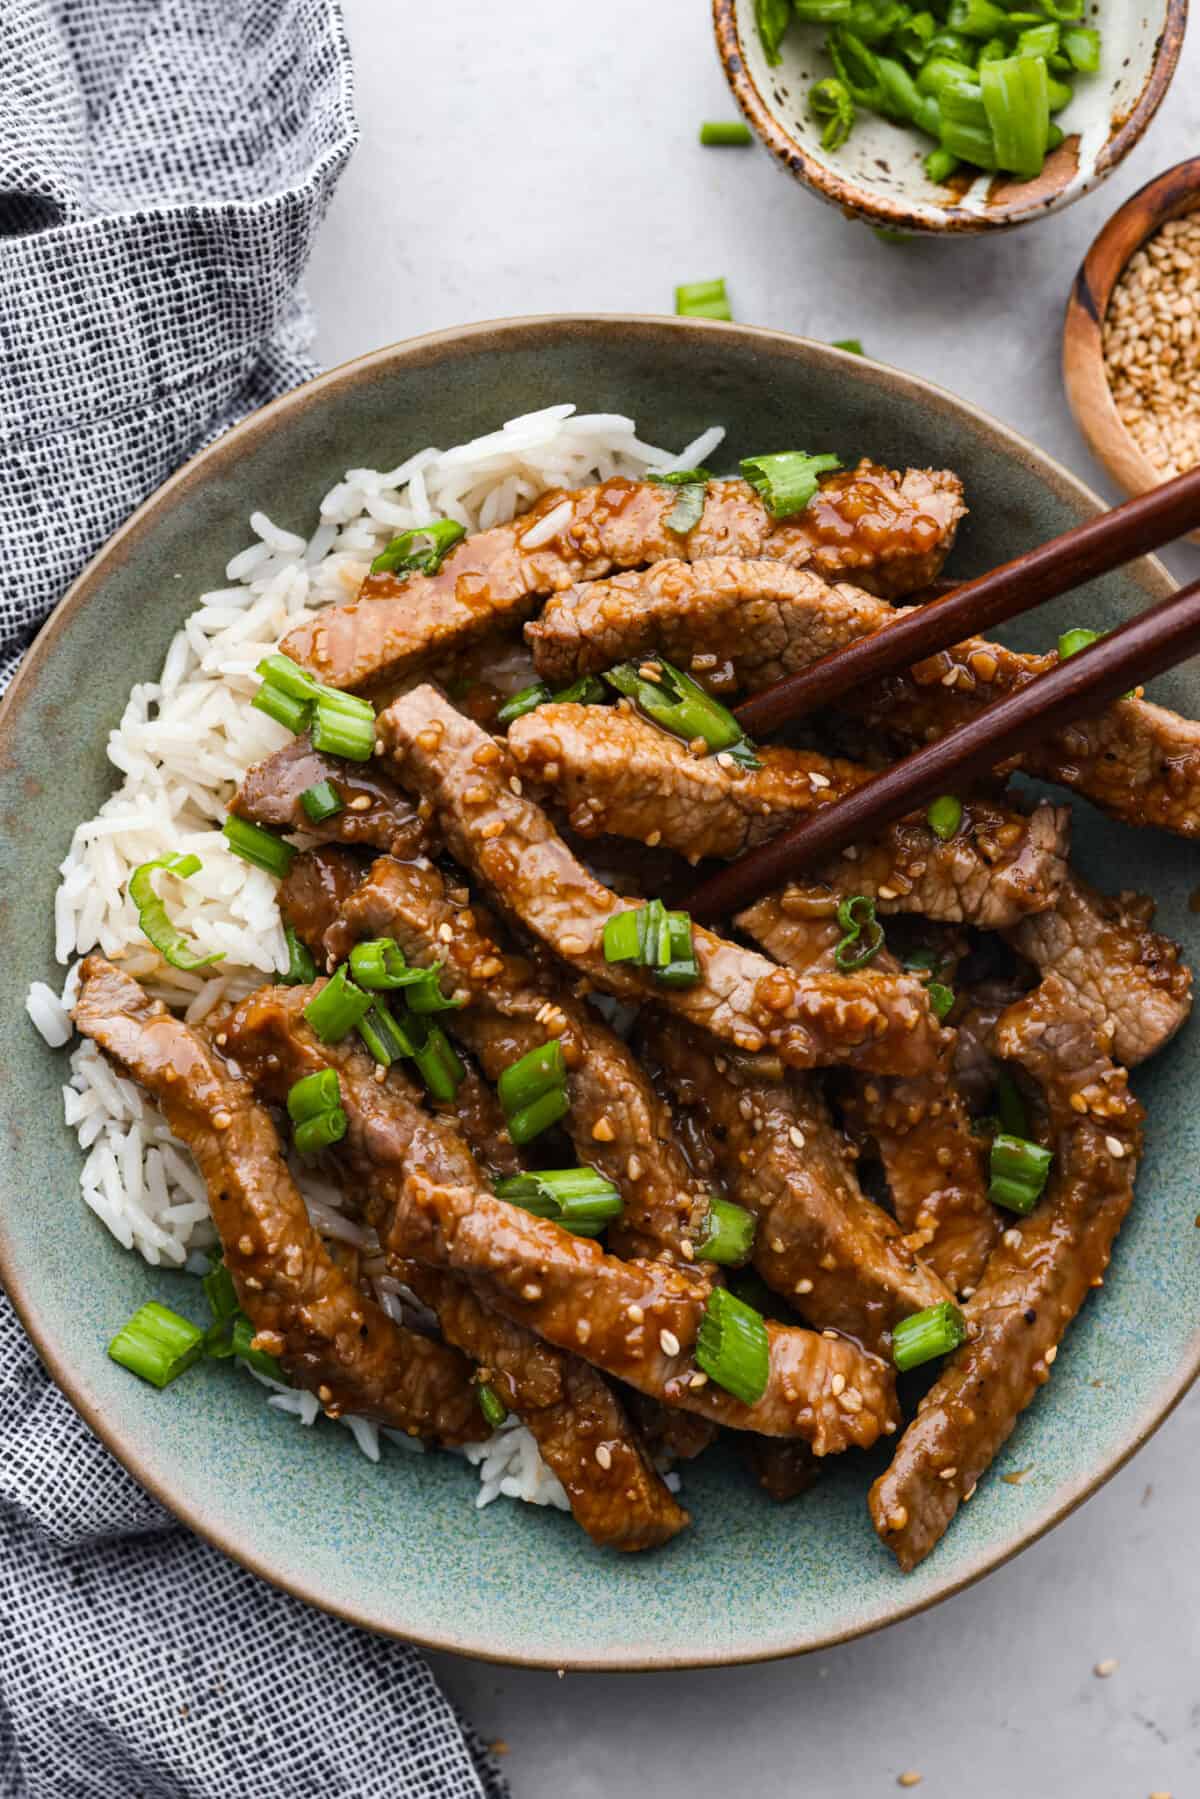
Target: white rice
(181, 747)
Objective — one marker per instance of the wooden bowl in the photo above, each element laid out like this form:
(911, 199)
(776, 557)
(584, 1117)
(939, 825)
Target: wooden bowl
(1168, 196)
(878, 176)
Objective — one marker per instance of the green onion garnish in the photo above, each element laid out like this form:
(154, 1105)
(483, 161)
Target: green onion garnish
(1082, 46)
(1071, 642)
(579, 1199)
(438, 1065)
(243, 1348)
(1010, 1106)
(1016, 98)
(318, 1133)
(340, 1005)
(399, 558)
(538, 1116)
(384, 1035)
(313, 1094)
(852, 344)
(944, 816)
(939, 165)
(281, 672)
(934, 1332)
(688, 509)
(291, 713)
(337, 731)
(1018, 1169)
(301, 968)
(380, 964)
(941, 1000)
(340, 722)
(170, 942)
(864, 933)
(321, 801)
(528, 700)
(491, 1405)
(425, 993)
(260, 847)
(832, 105)
(157, 1344)
(589, 690)
(537, 1072)
(220, 1293)
(772, 18)
(683, 708)
(716, 133)
(786, 481)
(656, 939)
(703, 300)
(733, 1347)
(729, 1236)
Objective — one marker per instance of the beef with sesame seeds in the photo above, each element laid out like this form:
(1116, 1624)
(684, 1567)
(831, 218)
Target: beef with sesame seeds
(498, 833)
(1037, 1277)
(312, 892)
(891, 531)
(374, 815)
(329, 1337)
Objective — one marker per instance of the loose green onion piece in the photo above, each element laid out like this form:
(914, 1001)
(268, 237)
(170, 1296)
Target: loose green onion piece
(337, 731)
(292, 714)
(1064, 10)
(1010, 1106)
(729, 1236)
(340, 1005)
(220, 1293)
(939, 165)
(851, 344)
(385, 1036)
(1016, 98)
(716, 133)
(654, 935)
(831, 104)
(678, 477)
(379, 964)
(964, 129)
(321, 801)
(157, 1344)
(914, 34)
(400, 558)
(538, 1116)
(681, 706)
(528, 700)
(1082, 46)
(491, 1405)
(334, 699)
(1018, 1169)
(260, 847)
(170, 942)
(656, 939)
(934, 1332)
(733, 1347)
(424, 994)
(976, 18)
(623, 937)
(1071, 642)
(1039, 40)
(772, 18)
(941, 1000)
(944, 816)
(589, 690)
(578, 1199)
(243, 1348)
(683, 968)
(318, 1133)
(857, 69)
(438, 1066)
(688, 509)
(539, 1071)
(280, 672)
(301, 968)
(787, 481)
(703, 300)
(313, 1094)
(864, 933)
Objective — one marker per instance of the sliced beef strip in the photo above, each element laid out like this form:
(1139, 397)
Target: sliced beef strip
(892, 531)
(493, 829)
(783, 1470)
(639, 1321)
(837, 1258)
(305, 1309)
(1036, 1279)
(1127, 977)
(618, 1499)
(313, 890)
(375, 814)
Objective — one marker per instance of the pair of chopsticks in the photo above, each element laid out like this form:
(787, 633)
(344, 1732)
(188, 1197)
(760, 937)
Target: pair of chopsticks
(1143, 647)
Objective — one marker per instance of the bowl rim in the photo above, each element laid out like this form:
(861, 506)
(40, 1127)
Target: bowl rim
(500, 334)
(856, 201)
(1170, 195)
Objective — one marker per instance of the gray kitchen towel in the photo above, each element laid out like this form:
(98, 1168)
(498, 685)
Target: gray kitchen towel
(164, 166)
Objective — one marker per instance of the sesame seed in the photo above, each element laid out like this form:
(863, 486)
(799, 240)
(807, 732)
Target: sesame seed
(494, 829)
(573, 946)
(514, 782)
(1051, 1354)
(947, 1473)
(804, 1286)
(604, 1455)
(851, 1400)
(898, 1518)
(910, 1778)
(583, 1330)
(325, 1395)
(635, 1314)
(818, 780)
(531, 1291)
(246, 1244)
(724, 759)
(362, 802)
(222, 1120)
(699, 1379)
(687, 1251)
(446, 933)
(1012, 1239)
(650, 671)
(1105, 1669)
(887, 893)
(796, 1137)
(1115, 1147)
(838, 1383)
(379, 746)
(668, 1342)
(222, 1039)
(633, 1168)
(653, 840)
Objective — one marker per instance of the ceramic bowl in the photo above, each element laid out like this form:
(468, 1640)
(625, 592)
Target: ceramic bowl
(400, 1547)
(877, 175)
(1169, 196)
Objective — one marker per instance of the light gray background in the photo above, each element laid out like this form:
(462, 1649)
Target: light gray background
(542, 157)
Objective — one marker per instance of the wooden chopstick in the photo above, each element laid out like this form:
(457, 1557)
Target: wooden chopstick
(1139, 649)
(1093, 548)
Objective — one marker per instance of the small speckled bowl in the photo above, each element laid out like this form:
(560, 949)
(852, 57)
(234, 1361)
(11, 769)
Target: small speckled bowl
(400, 1547)
(877, 175)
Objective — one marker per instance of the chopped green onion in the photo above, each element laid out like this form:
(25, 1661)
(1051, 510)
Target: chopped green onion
(384, 1035)
(1018, 1169)
(853, 345)
(941, 1000)
(716, 133)
(352, 704)
(654, 938)
(1071, 642)
(400, 558)
(438, 1065)
(964, 128)
(170, 942)
(321, 801)
(157, 1344)
(537, 1072)
(934, 1332)
(243, 1348)
(1082, 46)
(338, 731)
(337, 1008)
(380, 964)
(313, 1094)
(292, 714)
(681, 706)
(944, 816)
(688, 509)
(280, 672)
(1039, 40)
(425, 993)
(1065, 10)
(832, 105)
(703, 300)
(682, 967)
(729, 1235)
(260, 847)
(772, 18)
(491, 1405)
(220, 1293)
(623, 936)
(976, 18)
(589, 690)
(318, 1133)
(939, 165)
(786, 481)
(578, 1199)
(1016, 98)
(528, 700)
(864, 933)
(301, 968)
(538, 1116)
(1010, 1107)
(733, 1347)
(914, 34)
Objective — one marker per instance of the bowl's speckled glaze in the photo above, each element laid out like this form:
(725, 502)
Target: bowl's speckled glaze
(400, 1547)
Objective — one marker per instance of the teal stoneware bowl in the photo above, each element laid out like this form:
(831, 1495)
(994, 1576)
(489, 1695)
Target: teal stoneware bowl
(400, 1547)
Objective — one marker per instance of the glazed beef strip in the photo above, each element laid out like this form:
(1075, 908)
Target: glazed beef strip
(304, 1307)
(892, 531)
(1037, 1278)
(835, 1256)
(617, 1498)
(783, 1470)
(494, 830)
(375, 814)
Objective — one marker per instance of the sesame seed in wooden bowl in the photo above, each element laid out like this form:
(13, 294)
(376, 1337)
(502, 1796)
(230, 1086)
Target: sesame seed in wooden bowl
(1131, 342)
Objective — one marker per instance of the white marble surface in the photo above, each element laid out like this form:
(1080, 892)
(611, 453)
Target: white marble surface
(542, 158)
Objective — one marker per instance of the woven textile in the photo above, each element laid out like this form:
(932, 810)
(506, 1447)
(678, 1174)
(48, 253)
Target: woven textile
(164, 165)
